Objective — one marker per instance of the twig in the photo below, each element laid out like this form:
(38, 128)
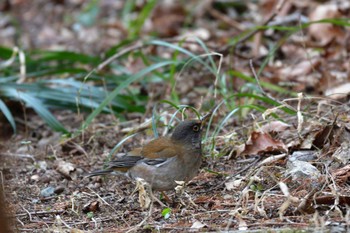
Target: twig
(103, 200)
(29, 214)
(271, 159)
(40, 213)
(60, 220)
(306, 202)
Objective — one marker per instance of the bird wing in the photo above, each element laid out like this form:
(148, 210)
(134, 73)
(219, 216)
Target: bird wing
(154, 153)
(121, 165)
(124, 163)
(160, 148)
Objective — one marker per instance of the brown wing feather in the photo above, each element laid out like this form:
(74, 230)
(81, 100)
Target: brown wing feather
(159, 148)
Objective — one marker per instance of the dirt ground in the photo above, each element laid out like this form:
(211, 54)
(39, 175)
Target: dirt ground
(288, 173)
(45, 188)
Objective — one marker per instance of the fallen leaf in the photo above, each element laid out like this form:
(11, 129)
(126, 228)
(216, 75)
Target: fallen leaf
(338, 92)
(144, 196)
(167, 18)
(233, 184)
(274, 126)
(326, 32)
(66, 169)
(260, 143)
(342, 154)
(197, 225)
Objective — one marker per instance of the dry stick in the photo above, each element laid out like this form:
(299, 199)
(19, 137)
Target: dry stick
(40, 213)
(252, 33)
(306, 201)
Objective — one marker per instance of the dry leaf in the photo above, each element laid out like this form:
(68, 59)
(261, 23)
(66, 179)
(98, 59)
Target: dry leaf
(338, 92)
(260, 143)
(274, 126)
(167, 18)
(326, 32)
(66, 169)
(342, 154)
(144, 196)
(198, 225)
(233, 184)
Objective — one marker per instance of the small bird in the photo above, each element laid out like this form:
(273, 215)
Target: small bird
(164, 160)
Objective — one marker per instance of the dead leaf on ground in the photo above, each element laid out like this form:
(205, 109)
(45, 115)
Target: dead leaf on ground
(167, 18)
(330, 200)
(66, 169)
(198, 225)
(301, 72)
(274, 126)
(325, 32)
(260, 143)
(338, 92)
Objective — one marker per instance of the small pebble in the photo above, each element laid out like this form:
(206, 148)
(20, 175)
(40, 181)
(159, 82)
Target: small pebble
(47, 192)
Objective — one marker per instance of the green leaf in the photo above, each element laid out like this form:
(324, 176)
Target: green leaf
(166, 213)
(38, 107)
(4, 109)
(136, 25)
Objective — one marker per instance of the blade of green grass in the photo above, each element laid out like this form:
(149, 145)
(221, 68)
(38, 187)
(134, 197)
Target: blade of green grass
(38, 107)
(4, 109)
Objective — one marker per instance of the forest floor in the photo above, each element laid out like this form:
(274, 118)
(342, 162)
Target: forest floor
(289, 173)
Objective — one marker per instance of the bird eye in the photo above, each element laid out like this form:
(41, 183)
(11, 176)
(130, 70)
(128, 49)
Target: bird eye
(195, 128)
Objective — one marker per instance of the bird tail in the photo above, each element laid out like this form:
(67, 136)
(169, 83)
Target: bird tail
(100, 173)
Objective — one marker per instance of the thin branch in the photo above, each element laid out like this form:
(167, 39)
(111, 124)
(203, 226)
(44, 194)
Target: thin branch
(40, 212)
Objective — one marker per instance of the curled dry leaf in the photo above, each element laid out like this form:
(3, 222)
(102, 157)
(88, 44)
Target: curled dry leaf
(300, 71)
(260, 143)
(66, 169)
